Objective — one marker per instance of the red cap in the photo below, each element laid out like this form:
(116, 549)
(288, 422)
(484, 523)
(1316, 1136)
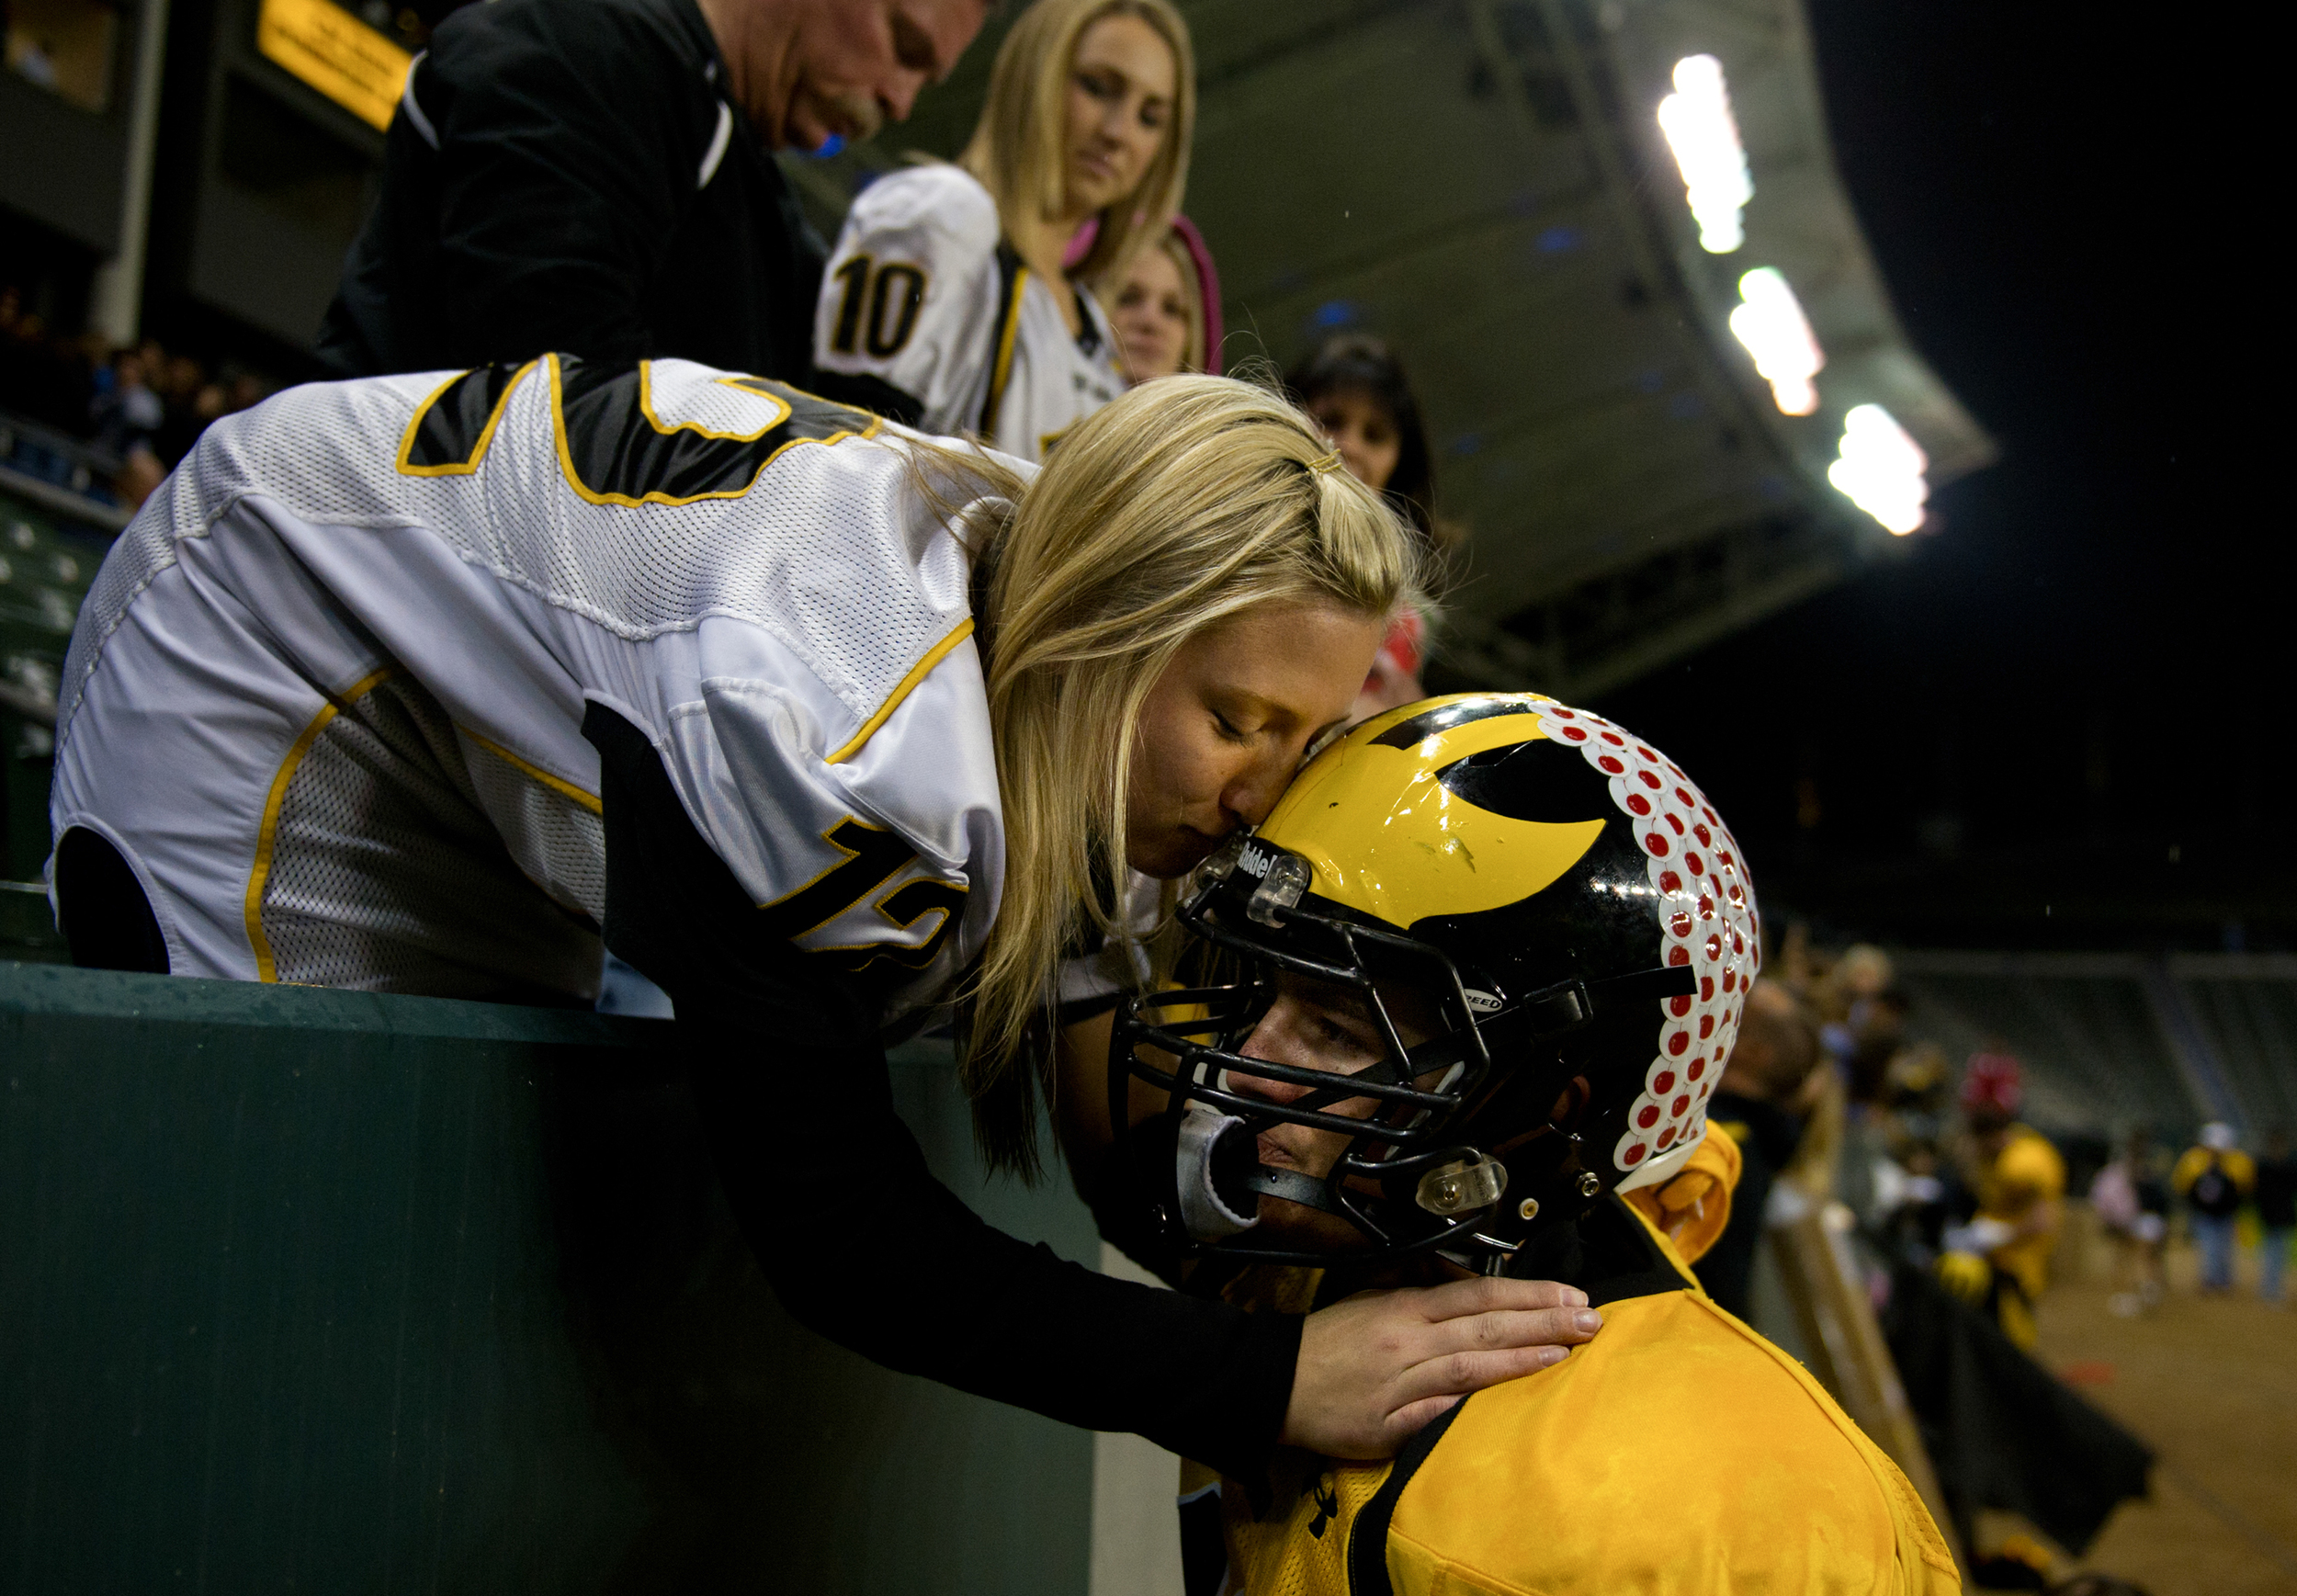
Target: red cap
(1994, 1080)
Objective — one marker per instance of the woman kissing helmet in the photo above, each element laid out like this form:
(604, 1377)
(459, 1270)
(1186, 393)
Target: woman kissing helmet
(1564, 897)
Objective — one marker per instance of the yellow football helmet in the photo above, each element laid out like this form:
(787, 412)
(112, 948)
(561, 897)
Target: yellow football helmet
(1567, 900)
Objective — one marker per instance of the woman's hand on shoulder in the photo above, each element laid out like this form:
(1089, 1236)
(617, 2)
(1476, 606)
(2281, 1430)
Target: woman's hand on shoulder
(1376, 1367)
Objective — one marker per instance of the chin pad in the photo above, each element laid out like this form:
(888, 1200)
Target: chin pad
(1212, 1169)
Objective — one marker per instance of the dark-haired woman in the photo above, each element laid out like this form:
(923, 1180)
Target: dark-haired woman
(1355, 389)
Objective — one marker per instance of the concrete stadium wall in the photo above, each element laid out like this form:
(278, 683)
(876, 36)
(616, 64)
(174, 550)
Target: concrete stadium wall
(328, 1291)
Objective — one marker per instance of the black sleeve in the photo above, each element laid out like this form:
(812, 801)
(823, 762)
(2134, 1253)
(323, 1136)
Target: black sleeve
(858, 1240)
(571, 139)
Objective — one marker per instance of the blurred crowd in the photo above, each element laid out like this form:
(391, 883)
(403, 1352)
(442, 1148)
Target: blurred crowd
(1937, 1164)
(139, 408)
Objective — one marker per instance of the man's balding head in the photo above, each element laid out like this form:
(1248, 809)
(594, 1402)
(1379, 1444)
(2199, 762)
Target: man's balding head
(808, 70)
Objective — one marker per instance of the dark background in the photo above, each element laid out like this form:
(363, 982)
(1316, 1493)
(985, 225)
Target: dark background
(2063, 721)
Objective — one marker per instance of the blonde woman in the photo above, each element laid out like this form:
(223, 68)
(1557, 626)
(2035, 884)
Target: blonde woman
(948, 303)
(1166, 308)
(434, 684)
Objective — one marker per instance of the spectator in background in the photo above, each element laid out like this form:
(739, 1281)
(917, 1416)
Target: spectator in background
(1355, 388)
(596, 176)
(2215, 1178)
(954, 301)
(2133, 1203)
(1759, 1105)
(128, 414)
(2277, 1211)
(1166, 308)
(2001, 1259)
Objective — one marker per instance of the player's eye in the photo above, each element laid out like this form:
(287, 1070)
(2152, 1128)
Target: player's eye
(1101, 85)
(1228, 729)
(1152, 114)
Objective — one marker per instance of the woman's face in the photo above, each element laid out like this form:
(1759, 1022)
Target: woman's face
(1152, 316)
(1120, 99)
(1227, 724)
(1360, 428)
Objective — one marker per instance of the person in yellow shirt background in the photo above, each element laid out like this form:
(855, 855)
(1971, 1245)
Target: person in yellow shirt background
(2001, 1259)
(1528, 965)
(2215, 1178)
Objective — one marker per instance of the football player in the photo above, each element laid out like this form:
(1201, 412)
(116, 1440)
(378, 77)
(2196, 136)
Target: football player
(950, 301)
(431, 683)
(1483, 964)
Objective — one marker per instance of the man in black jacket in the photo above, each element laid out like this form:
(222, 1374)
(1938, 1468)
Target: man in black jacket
(595, 177)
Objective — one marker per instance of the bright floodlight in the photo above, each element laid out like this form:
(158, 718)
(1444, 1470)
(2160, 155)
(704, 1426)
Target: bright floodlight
(1697, 121)
(1771, 324)
(1881, 468)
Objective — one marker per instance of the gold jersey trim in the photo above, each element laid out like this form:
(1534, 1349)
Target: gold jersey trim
(908, 685)
(266, 834)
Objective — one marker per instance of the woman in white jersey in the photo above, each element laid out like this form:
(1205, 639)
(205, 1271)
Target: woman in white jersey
(949, 303)
(435, 684)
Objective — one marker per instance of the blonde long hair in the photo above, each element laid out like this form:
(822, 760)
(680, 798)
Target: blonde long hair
(1018, 147)
(1187, 502)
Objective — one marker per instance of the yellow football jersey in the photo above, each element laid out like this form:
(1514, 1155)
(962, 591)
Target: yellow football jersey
(1679, 1452)
(2028, 1170)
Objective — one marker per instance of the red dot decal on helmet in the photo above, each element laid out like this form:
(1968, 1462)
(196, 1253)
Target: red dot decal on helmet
(1677, 956)
(1662, 1083)
(1650, 780)
(1698, 1068)
(1715, 948)
(1681, 923)
(1706, 1027)
(1669, 881)
(1656, 843)
(1575, 733)
(1614, 739)
(1706, 989)
(1649, 753)
(1634, 1155)
(1713, 818)
(1666, 1136)
(1728, 863)
(1706, 906)
(1648, 1116)
(1738, 943)
(1679, 1004)
(1676, 1042)
(1610, 765)
(1638, 805)
(1676, 822)
(1689, 799)
(1730, 980)
(1561, 713)
(1681, 1107)
(1704, 836)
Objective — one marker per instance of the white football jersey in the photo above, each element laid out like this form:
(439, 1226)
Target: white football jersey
(923, 293)
(327, 695)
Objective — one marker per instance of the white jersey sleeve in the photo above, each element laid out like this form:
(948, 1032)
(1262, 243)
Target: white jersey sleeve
(912, 296)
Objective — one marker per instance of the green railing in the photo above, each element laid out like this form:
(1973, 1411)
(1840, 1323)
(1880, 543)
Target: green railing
(324, 1291)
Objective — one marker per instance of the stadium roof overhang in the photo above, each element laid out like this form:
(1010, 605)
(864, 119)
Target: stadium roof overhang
(1485, 182)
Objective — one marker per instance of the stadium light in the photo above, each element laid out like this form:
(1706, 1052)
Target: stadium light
(1881, 468)
(1700, 128)
(1770, 322)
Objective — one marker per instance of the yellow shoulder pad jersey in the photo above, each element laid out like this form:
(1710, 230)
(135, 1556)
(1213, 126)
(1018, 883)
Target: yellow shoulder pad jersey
(1679, 1452)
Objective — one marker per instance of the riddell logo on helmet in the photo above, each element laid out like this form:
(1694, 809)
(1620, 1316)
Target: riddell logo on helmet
(1256, 860)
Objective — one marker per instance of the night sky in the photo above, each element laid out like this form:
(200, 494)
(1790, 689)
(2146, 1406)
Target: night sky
(2064, 721)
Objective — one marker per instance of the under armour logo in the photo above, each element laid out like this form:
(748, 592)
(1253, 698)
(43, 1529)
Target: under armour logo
(1327, 1505)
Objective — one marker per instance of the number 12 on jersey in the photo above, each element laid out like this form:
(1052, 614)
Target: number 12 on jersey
(878, 306)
